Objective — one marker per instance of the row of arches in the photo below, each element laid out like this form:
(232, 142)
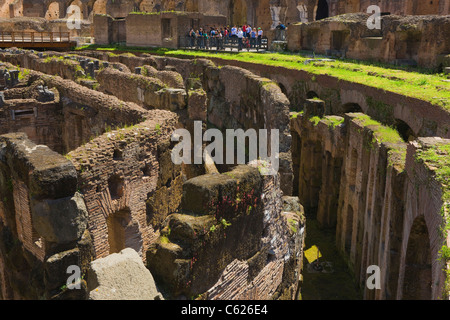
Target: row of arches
(59, 9)
(402, 245)
(405, 131)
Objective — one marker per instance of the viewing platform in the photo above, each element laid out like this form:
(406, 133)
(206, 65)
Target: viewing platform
(30, 40)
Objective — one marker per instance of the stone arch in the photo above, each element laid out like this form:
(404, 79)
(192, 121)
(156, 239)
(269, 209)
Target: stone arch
(96, 7)
(53, 11)
(322, 10)
(417, 281)
(283, 89)
(351, 107)
(404, 130)
(82, 5)
(311, 95)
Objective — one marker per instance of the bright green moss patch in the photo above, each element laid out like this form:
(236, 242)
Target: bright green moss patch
(417, 84)
(315, 120)
(333, 121)
(381, 133)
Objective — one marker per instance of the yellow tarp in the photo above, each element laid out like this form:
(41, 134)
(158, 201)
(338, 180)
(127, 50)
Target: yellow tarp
(312, 254)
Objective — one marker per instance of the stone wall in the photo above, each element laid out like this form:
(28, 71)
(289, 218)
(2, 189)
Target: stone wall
(412, 39)
(129, 183)
(351, 174)
(164, 29)
(402, 7)
(236, 98)
(341, 96)
(198, 253)
(39, 240)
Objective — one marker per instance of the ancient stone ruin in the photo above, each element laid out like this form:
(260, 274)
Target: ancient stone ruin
(93, 205)
(90, 174)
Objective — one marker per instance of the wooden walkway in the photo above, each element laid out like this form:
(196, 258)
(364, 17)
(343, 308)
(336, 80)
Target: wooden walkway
(52, 40)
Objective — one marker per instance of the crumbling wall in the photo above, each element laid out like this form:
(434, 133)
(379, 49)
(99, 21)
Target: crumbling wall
(40, 239)
(423, 117)
(129, 183)
(410, 39)
(198, 253)
(356, 170)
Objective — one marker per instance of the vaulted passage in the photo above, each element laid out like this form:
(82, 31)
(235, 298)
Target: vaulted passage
(417, 283)
(322, 10)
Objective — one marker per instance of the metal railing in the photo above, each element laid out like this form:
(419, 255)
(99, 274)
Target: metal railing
(34, 37)
(220, 44)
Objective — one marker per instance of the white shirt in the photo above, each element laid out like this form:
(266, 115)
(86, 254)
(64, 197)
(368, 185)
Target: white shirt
(240, 34)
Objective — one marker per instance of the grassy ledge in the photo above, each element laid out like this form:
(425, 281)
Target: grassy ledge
(415, 83)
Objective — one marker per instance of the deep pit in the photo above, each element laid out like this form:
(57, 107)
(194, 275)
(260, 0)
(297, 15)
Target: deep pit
(95, 136)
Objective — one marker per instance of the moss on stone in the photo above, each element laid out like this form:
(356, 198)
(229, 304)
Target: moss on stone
(437, 158)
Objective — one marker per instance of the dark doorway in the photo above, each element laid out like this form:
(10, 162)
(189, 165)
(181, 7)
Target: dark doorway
(322, 10)
(404, 130)
(351, 108)
(417, 282)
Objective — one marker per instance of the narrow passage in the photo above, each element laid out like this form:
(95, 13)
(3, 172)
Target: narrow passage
(335, 281)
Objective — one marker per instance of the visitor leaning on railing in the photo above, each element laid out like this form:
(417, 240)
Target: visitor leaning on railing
(239, 38)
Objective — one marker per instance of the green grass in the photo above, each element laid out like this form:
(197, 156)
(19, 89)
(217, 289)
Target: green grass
(416, 83)
(334, 121)
(382, 133)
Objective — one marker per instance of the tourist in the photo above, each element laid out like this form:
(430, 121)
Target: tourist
(220, 40)
(281, 26)
(240, 35)
(200, 38)
(233, 32)
(260, 35)
(248, 31)
(253, 38)
(192, 37)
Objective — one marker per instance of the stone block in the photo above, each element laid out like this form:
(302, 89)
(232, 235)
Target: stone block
(197, 105)
(200, 192)
(62, 220)
(314, 107)
(55, 268)
(121, 276)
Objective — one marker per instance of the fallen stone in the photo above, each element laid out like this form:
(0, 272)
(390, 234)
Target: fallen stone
(121, 276)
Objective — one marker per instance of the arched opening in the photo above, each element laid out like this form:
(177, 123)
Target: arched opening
(123, 232)
(53, 11)
(283, 89)
(77, 3)
(404, 130)
(96, 7)
(311, 95)
(351, 107)
(116, 187)
(417, 281)
(322, 10)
